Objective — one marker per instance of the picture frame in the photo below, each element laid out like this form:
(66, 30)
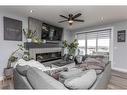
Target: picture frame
(12, 29)
(121, 36)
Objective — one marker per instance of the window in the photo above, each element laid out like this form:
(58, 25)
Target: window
(92, 42)
(103, 45)
(82, 44)
(91, 46)
(81, 47)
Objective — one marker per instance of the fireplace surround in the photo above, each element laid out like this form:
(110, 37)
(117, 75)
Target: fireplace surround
(49, 56)
(44, 55)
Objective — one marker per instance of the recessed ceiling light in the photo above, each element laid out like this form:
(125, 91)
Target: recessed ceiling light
(31, 11)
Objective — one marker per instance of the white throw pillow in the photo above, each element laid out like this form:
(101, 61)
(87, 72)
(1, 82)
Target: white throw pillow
(31, 63)
(85, 81)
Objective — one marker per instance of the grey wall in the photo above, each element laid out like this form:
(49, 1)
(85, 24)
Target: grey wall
(118, 50)
(7, 47)
(68, 35)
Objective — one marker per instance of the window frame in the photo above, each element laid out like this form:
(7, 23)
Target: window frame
(97, 38)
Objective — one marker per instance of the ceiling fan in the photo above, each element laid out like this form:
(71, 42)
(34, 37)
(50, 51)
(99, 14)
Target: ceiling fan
(71, 18)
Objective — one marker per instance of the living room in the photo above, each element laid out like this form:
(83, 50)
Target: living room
(58, 42)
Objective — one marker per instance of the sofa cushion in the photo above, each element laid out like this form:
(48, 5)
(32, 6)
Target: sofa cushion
(22, 69)
(40, 80)
(85, 81)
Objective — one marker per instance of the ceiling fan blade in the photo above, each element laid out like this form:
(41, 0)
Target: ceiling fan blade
(64, 16)
(62, 21)
(78, 20)
(77, 15)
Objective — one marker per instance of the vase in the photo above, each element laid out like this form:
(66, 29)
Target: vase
(29, 40)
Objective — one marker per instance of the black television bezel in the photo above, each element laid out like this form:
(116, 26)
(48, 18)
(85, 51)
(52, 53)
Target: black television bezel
(55, 28)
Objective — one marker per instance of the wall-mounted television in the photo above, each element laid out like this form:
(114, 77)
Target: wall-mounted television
(51, 33)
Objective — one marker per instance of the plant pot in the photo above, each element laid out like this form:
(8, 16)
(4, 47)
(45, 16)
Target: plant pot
(29, 40)
(71, 57)
(44, 41)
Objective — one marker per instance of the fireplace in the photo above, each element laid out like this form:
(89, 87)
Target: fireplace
(50, 56)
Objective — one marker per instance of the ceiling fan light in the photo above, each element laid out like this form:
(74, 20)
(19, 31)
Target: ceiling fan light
(70, 21)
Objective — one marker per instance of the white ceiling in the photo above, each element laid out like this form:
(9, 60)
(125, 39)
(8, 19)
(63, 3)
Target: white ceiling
(91, 14)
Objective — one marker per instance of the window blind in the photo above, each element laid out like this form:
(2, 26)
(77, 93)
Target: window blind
(104, 34)
(81, 36)
(92, 35)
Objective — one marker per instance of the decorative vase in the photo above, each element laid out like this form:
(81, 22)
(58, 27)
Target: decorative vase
(29, 40)
(44, 41)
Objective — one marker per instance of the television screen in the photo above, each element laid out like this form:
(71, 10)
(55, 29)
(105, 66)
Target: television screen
(51, 33)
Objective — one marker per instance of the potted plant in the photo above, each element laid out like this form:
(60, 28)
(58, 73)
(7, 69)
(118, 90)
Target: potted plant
(71, 47)
(29, 35)
(12, 57)
(36, 39)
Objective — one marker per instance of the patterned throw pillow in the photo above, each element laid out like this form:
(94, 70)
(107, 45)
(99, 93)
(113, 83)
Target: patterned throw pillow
(93, 63)
(55, 72)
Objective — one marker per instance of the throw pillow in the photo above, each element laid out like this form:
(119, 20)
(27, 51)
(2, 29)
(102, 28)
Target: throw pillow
(22, 69)
(85, 81)
(31, 63)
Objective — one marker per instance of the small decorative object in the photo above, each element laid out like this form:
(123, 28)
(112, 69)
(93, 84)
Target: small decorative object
(35, 39)
(121, 36)
(51, 33)
(13, 58)
(29, 35)
(12, 29)
(44, 41)
(78, 59)
(71, 48)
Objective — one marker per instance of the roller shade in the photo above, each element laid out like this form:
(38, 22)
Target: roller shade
(92, 35)
(81, 36)
(104, 34)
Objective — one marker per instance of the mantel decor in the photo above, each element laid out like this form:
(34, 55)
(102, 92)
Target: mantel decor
(31, 37)
(12, 29)
(121, 36)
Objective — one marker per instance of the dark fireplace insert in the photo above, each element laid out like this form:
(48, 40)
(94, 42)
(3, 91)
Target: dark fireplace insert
(45, 57)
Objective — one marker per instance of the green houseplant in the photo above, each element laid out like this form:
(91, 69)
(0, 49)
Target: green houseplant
(31, 37)
(12, 57)
(71, 47)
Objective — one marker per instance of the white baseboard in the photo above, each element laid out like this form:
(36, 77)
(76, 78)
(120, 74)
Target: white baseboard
(119, 69)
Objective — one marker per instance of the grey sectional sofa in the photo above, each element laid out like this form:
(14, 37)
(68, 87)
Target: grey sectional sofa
(36, 79)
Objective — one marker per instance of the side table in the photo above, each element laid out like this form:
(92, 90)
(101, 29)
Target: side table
(8, 73)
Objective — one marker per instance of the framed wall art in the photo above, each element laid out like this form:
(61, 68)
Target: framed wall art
(12, 29)
(121, 36)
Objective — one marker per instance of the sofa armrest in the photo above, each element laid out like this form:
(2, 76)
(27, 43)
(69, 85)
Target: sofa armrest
(20, 82)
(40, 80)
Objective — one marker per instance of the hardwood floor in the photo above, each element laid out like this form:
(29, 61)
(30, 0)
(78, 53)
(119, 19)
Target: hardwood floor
(7, 84)
(118, 81)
